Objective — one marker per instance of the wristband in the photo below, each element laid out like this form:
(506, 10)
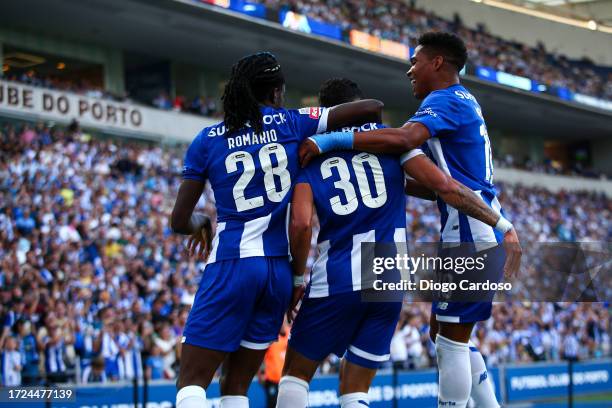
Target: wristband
(503, 225)
(298, 280)
(333, 141)
(409, 155)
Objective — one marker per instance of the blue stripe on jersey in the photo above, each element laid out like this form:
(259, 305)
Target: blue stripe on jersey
(460, 146)
(251, 176)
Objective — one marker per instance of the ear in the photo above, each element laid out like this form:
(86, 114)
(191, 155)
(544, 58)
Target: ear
(437, 62)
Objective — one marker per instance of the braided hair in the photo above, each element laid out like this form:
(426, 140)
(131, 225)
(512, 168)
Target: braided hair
(252, 81)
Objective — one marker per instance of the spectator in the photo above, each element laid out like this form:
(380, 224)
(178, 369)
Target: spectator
(155, 365)
(11, 363)
(30, 353)
(96, 372)
(167, 344)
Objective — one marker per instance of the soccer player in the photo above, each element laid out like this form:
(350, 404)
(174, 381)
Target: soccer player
(251, 162)
(451, 123)
(358, 197)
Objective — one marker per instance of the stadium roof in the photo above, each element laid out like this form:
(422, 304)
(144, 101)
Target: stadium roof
(592, 14)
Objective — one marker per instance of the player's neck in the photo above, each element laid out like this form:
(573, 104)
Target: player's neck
(270, 104)
(444, 83)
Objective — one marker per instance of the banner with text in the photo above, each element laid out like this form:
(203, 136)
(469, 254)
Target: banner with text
(33, 103)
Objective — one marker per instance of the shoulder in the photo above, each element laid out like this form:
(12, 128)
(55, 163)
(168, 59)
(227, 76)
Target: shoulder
(218, 129)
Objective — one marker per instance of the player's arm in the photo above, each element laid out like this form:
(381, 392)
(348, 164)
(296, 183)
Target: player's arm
(455, 194)
(300, 234)
(386, 140)
(355, 113)
(184, 221)
(466, 201)
(415, 189)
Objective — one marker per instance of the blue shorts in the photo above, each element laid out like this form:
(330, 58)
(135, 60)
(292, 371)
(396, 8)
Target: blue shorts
(343, 323)
(240, 302)
(471, 312)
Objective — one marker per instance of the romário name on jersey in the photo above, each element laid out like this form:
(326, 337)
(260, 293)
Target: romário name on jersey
(251, 176)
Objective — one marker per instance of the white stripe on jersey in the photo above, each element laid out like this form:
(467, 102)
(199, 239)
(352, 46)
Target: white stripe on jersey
(399, 237)
(322, 126)
(482, 234)
(318, 277)
(436, 150)
(251, 243)
(452, 229)
(215, 243)
(287, 220)
(369, 236)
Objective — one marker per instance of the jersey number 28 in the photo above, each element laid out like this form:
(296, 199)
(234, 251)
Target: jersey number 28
(280, 170)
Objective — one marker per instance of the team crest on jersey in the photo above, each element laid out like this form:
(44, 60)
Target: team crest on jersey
(313, 112)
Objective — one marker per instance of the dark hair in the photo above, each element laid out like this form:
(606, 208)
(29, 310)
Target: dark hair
(335, 91)
(450, 46)
(252, 80)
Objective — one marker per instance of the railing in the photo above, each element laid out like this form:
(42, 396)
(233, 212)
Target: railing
(554, 384)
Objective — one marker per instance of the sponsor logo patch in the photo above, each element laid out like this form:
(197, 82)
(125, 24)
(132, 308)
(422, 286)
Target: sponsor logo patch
(314, 113)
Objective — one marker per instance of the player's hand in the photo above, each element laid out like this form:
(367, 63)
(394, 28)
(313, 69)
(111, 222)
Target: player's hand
(298, 294)
(308, 151)
(200, 242)
(514, 252)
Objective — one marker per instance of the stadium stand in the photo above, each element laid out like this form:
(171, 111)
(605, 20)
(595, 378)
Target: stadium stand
(402, 22)
(94, 286)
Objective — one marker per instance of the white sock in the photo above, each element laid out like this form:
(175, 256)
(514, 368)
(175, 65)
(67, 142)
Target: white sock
(191, 396)
(455, 374)
(355, 400)
(234, 401)
(483, 392)
(292, 393)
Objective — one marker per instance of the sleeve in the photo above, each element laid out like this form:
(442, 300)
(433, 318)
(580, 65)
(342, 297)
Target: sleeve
(308, 121)
(438, 113)
(410, 155)
(194, 164)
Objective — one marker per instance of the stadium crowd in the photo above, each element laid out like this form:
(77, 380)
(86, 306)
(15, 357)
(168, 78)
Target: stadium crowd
(402, 22)
(94, 286)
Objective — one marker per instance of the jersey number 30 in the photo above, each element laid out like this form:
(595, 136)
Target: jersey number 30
(347, 187)
(280, 170)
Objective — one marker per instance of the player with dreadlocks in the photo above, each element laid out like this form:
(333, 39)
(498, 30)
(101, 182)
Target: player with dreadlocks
(251, 162)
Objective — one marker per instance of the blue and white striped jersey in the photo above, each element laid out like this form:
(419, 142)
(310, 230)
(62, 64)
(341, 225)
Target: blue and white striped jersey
(460, 146)
(54, 357)
(359, 197)
(10, 362)
(251, 176)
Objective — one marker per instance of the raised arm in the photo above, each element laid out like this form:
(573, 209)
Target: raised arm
(452, 192)
(387, 140)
